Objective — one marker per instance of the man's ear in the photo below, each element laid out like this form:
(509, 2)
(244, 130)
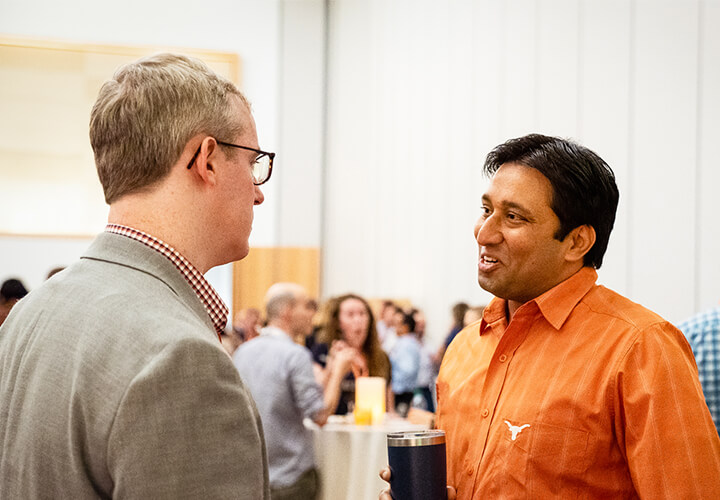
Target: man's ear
(205, 158)
(286, 313)
(580, 240)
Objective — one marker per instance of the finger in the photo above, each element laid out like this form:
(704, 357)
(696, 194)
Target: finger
(385, 474)
(451, 493)
(385, 495)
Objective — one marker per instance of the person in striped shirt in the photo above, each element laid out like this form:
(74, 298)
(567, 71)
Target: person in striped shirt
(703, 334)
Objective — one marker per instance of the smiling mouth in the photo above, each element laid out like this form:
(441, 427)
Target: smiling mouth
(487, 264)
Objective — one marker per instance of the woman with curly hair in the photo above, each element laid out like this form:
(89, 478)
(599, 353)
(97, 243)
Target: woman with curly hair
(350, 325)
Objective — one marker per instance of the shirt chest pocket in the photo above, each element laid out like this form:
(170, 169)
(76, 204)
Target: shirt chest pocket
(547, 457)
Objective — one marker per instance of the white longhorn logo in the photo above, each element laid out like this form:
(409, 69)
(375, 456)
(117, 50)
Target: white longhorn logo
(515, 429)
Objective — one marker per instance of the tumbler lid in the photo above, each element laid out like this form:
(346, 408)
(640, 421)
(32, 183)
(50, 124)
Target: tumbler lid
(415, 438)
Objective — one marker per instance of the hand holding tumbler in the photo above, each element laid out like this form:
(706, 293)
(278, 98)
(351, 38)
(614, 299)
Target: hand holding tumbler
(417, 465)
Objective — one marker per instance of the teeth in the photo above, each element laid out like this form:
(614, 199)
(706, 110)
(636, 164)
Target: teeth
(489, 260)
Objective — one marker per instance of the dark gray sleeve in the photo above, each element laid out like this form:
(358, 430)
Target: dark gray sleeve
(186, 427)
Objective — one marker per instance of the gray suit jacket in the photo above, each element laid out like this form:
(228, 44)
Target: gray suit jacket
(113, 384)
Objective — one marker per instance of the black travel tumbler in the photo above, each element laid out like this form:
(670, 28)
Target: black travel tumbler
(417, 465)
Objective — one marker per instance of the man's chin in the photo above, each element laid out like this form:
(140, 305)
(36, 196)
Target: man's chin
(237, 253)
(493, 287)
(487, 285)
(243, 252)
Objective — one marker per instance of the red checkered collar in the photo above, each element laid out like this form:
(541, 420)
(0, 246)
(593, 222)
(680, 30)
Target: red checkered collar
(215, 307)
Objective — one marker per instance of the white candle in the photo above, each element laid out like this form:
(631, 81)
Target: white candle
(370, 396)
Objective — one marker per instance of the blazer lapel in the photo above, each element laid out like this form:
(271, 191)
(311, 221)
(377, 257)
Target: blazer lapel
(124, 251)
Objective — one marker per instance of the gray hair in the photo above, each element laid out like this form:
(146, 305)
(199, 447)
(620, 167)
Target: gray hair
(280, 296)
(145, 115)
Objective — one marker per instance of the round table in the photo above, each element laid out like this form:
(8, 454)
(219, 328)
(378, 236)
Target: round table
(349, 457)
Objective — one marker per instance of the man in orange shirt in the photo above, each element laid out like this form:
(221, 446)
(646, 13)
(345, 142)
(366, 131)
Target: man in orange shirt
(565, 388)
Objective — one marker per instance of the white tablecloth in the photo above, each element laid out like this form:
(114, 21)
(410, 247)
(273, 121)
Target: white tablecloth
(349, 457)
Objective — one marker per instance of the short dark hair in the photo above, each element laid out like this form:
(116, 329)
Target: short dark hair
(458, 313)
(583, 185)
(409, 321)
(12, 289)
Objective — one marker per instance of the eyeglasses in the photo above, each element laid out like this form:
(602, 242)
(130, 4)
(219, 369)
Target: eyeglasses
(261, 167)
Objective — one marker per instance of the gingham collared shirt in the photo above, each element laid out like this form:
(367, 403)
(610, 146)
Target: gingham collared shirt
(703, 334)
(215, 307)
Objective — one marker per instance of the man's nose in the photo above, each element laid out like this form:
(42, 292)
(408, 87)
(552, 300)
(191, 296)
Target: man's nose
(259, 196)
(487, 231)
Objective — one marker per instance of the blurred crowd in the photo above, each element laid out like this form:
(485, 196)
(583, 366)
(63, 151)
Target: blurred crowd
(387, 339)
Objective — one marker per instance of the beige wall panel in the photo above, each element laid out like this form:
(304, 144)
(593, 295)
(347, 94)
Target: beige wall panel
(253, 275)
(49, 185)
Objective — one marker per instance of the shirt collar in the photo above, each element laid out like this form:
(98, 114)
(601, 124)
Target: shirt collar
(555, 305)
(214, 305)
(494, 315)
(274, 331)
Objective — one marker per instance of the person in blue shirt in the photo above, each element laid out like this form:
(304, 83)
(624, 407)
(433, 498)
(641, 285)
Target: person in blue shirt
(458, 315)
(405, 363)
(703, 334)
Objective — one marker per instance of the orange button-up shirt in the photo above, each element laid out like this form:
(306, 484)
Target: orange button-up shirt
(583, 394)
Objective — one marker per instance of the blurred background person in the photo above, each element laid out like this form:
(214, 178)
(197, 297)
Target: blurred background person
(405, 363)
(351, 325)
(424, 398)
(311, 309)
(279, 374)
(11, 291)
(703, 334)
(458, 317)
(386, 324)
(320, 319)
(472, 315)
(246, 324)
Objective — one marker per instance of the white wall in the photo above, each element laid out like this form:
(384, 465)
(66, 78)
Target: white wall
(421, 90)
(707, 174)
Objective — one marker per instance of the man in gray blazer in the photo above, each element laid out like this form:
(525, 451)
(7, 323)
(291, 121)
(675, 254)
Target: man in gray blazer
(113, 383)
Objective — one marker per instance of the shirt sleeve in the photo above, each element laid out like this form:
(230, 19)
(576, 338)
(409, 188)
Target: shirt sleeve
(662, 421)
(306, 391)
(188, 428)
(405, 360)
